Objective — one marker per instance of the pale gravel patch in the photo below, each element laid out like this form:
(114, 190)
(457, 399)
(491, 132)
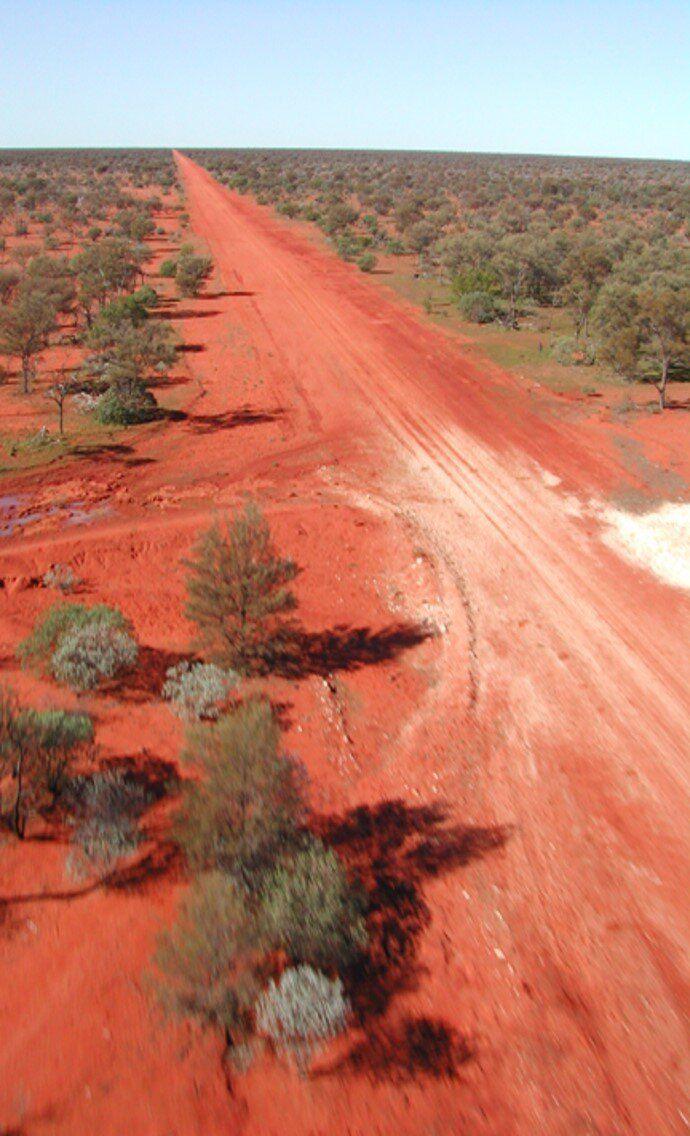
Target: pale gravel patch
(659, 540)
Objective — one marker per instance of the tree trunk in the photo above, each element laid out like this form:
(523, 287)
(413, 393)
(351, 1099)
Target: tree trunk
(17, 818)
(661, 385)
(61, 416)
(26, 374)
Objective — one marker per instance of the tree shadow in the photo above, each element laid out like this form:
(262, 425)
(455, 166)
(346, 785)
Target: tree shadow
(164, 859)
(159, 779)
(346, 648)
(189, 348)
(103, 450)
(145, 680)
(414, 1048)
(392, 849)
(157, 776)
(244, 416)
(187, 313)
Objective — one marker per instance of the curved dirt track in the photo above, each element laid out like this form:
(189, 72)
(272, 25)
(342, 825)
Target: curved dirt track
(563, 957)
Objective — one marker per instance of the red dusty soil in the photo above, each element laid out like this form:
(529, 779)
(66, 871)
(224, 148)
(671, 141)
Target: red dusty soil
(513, 786)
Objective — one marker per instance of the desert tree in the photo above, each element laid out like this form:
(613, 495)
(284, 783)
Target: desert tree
(238, 592)
(26, 326)
(58, 392)
(210, 963)
(664, 308)
(645, 328)
(36, 748)
(249, 802)
(585, 269)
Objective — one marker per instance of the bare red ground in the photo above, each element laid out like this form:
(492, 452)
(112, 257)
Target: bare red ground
(521, 777)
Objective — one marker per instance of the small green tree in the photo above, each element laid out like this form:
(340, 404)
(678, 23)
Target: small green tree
(238, 593)
(644, 329)
(311, 909)
(210, 962)
(26, 326)
(191, 271)
(36, 749)
(248, 804)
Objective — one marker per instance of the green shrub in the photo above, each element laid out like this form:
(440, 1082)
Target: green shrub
(366, 262)
(238, 593)
(126, 406)
(191, 271)
(311, 910)
(168, 268)
(479, 307)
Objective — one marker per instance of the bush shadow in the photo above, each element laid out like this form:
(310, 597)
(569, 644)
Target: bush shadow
(145, 680)
(346, 648)
(228, 420)
(412, 1049)
(392, 849)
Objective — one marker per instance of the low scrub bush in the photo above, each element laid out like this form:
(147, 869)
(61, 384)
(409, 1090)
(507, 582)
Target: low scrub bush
(62, 577)
(302, 1009)
(53, 625)
(210, 961)
(86, 656)
(126, 407)
(198, 690)
(190, 273)
(107, 806)
(479, 307)
(168, 268)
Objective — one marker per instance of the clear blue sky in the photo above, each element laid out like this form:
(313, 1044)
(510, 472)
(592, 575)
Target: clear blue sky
(552, 76)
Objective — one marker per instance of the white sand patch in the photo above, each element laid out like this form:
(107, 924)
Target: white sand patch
(659, 541)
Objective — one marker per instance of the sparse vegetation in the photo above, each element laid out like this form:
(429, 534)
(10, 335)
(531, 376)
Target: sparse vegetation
(302, 1009)
(106, 808)
(239, 595)
(198, 690)
(80, 645)
(36, 749)
(249, 804)
(510, 238)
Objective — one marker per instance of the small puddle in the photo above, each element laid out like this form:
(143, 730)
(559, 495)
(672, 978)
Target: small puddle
(73, 513)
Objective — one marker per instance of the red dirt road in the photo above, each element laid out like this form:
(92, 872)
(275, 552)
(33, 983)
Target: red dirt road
(568, 719)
